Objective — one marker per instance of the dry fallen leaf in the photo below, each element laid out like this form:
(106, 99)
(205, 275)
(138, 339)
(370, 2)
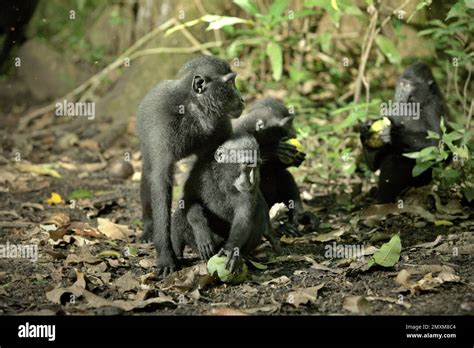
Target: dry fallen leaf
(32, 205)
(304, 296)
(84, 229)
(41, 169)
(56, 255)
(114, 231)
(272, 308)
(390, 300)
(428, 282)
(77, 289)
(225, 311)
(95, 301)
(279, 280)
(453, 207)
(65, 240)
(378, 212)
(146, 263)
(403, 278)
(127, 282)
(189, 278)
(57, 219)
(85, 257)
(356, 304)
(429, 244)
(326, 237)
(318, 266)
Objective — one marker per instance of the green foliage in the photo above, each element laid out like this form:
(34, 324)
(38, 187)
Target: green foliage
(335, 8)
(452, 161)
(275, 54)
(259, 33)
(80, 194)
(451, 38)
(389, 49)
(309, 65)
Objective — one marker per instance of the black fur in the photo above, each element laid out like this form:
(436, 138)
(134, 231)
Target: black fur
(176, 119)
(14, 18)
(407, 134)
(223, 207)
(271, 123)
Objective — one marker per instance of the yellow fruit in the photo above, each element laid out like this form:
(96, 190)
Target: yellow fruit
(215, 267)
(296, 143)
(374, 141)
(380, 125)
(54, 199)
(377, 128)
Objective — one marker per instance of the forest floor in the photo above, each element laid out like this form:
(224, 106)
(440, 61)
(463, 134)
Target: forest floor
(90, 260)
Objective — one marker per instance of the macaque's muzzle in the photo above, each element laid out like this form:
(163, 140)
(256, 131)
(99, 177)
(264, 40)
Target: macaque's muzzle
(403, 91)
(246, 180)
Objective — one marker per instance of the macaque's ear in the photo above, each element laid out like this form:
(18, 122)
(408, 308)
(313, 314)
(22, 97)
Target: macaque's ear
(229, 77)
(199, 84)
(252, 176)
(259, 125)
(286, 121)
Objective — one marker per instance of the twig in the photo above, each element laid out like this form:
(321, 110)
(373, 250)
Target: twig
(456, 88)
(458, 93)
(469, 116)
(468, 79)
(366, 47)
(369, 37)
(202, 9)
(193, 40)
(175, 49)
(448, 79)
(367, 92)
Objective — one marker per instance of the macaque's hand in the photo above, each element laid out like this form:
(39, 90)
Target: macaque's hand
(233, 259)
(289, 154)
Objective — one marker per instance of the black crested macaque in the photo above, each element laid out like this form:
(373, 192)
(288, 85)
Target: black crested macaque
(222, 206)
(418, 108)
(178, 118)
(271, 123)
(14, 18)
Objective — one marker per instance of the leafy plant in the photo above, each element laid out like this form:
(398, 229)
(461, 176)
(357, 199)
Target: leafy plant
(453, 37)
(260, 32)
(452, 161)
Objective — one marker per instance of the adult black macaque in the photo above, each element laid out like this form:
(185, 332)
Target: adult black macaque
(271, 123)
(178, 118)
(14, 18)
(406, 133)
(222, 206)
